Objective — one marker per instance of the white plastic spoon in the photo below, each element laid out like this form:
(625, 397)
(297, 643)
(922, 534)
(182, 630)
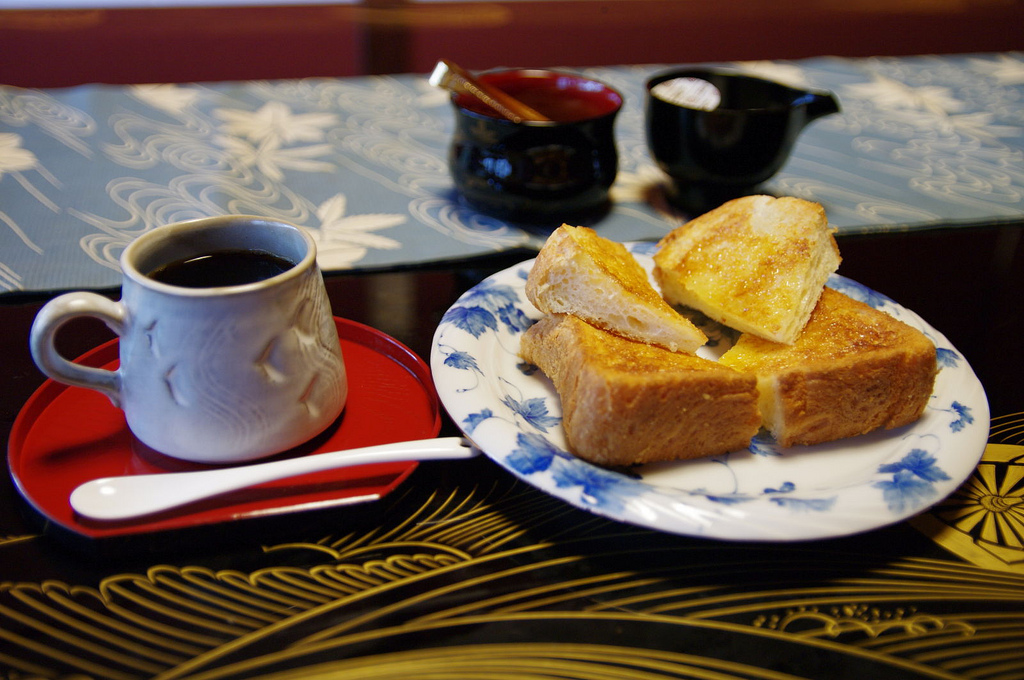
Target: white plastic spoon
(111, 498)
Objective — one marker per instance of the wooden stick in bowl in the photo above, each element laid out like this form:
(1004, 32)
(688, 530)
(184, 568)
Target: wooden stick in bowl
(451, 77)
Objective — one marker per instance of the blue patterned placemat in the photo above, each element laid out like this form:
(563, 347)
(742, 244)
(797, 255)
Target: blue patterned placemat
(361, 162)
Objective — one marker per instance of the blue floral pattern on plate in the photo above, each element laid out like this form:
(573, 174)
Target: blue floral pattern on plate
(765, 492)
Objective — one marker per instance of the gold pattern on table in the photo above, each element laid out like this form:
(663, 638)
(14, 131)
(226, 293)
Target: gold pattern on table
(983, 520)
(494, 583)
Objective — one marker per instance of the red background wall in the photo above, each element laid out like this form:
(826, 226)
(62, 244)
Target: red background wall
(67, 47)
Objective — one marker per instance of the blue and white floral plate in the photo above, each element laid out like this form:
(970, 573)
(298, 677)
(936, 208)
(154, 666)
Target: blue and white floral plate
(512, 412)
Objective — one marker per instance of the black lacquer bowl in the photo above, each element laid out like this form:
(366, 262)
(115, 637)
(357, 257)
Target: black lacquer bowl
(537, 170)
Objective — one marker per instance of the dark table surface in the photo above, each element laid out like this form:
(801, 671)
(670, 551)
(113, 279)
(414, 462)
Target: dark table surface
(465, 572)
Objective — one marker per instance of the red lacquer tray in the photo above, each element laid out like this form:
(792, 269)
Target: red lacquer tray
(64, 436)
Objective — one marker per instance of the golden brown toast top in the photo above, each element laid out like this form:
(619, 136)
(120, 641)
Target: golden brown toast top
(579, 272)
(613, 260)
(840, 328)
(756, 264)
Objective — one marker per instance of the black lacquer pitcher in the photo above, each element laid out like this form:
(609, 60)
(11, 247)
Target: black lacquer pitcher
(724, 146)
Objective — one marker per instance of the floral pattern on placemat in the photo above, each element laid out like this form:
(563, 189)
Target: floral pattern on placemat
(361, 163)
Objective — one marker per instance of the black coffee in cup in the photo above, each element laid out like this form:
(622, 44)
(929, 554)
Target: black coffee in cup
(221, 268)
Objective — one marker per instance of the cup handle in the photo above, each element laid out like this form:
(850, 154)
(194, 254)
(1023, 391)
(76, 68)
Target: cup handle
(55, 314)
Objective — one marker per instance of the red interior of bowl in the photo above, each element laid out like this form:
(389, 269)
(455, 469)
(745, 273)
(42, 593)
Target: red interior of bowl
(562, 97)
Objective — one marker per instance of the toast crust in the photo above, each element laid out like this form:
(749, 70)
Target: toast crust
(756, 264)
(626, 402)
(581, 273)
(853, 370)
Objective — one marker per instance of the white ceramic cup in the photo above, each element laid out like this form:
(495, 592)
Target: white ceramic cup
(212, 374)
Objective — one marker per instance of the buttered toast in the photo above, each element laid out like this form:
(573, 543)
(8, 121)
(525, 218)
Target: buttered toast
(626, 402)
(756, 264)
(852, 370)
(582, 273)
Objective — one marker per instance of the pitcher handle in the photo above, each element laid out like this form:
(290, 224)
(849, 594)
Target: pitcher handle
(55, 314)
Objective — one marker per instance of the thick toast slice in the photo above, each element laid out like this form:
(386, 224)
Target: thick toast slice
(579, 272)
(627, 402)
(756, 264)
(853, 369)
